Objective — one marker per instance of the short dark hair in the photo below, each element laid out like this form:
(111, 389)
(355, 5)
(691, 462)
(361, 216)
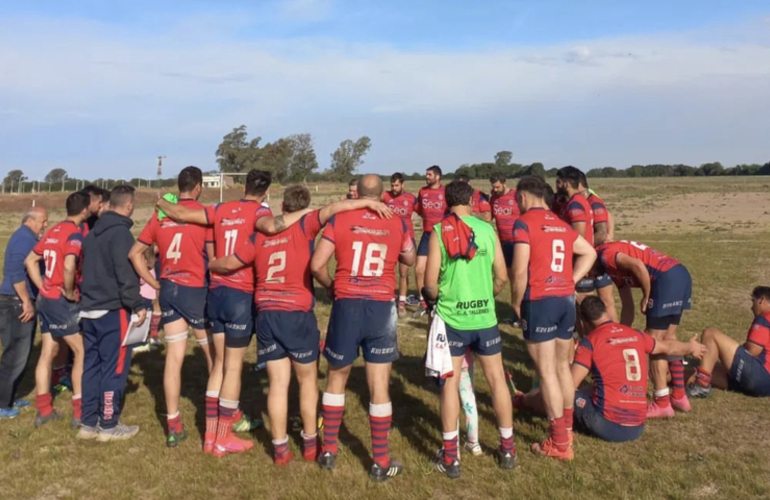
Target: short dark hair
(188, 178)
(761, 292)
(257, 182)
(584, 179)
(77, 202)
(462, 178)
(435, 169)
(93, 190)
(534, 185)
(497, 177)
(295, 198)
(122, 194)
(105, 196)
(458, 193)
(353, 182)
(570, 174)
(592, 308)
(398, 176)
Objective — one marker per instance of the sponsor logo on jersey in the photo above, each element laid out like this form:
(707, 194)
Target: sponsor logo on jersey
(371, 232)
(51, 241)
(626, 340)
(274, 243)
(553, 229)
(232, 222)
(438, 205)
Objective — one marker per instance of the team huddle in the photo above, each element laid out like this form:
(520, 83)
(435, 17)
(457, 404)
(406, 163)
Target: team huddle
(233, 270)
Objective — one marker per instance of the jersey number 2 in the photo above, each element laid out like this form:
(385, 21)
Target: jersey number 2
(374, 260)
(276, 264)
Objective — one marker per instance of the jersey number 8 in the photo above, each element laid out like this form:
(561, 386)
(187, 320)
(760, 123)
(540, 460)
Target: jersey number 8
(633, 369)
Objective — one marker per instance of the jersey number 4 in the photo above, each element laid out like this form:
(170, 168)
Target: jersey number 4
(374, 259)
(174, 251)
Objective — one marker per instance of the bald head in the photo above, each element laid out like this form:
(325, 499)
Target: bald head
(370, 186)
(36, 219)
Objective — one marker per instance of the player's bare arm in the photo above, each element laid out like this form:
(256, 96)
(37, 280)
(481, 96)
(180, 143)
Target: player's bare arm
(211, 252)
(226, 265)
(319, 263)
(601, 232)
(432, 268)
(486, 216)
(274, 225)
(580, 228)
(498, 268)
(408, 256)
(520, 271)
(579, 373)
(70, 270)
(33, 269)
(585, 257)
(136, 256)
(626, 305)
(333, 209)
(610, 227)
(181, 213)
(637, 268)
(753, 349)
(676, 348)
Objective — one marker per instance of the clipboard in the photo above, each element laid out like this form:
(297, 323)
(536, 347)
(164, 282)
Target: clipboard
(136, 334)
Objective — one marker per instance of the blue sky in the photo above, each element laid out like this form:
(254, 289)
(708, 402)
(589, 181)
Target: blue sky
(102, 88)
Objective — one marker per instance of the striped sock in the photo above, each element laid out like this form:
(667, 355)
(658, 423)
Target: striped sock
(332, 409)
(309, 446)
(676, 367)
(380, 419)
(559, 435)
(43, 403)
(450, 447)
(77, 406)
(228, 410)
(174, 423)
(506, 440)
(569, 417)
(212, 415)
(662, 398)
(155, 325)
(281, 446)
(702, 377)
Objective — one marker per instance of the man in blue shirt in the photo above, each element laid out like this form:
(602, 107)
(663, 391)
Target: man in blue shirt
(18, 320)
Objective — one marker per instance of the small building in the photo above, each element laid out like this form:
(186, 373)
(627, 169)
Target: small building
(212, 181)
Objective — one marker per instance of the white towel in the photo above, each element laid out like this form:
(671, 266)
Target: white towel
(438, 359)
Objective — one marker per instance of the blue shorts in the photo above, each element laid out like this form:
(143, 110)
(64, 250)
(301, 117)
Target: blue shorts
(369, 325)
(508, 247)
(231, 312)
(183, 302)
(670, 296)
(548, 318)
(59, 317)
(588, 285)
(422, 248)
(287, 333)
(484, 342)
(589, 419)
(748, 375)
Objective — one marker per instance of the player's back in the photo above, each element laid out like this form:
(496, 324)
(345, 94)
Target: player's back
(367, 250)
(550, 258)
(402, 205)
(431, 205)
(656, 262)
(505, 210)
(65, 238)
(479, 202)
(601, 214)
(282, 264)
(181, 247)
(234, 223)
(619, 371)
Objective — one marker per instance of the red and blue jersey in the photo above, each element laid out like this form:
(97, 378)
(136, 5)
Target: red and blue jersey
(230, 225)
(64, 239)
(550, 255)
(577, 209)
(282, 265)
(601, 214)
(480, 203)
(759, 334)
(181, 247)
(367, 250)
(505, 211)
(616, 356)
(656, 262)
(402, 205)
(431, 206)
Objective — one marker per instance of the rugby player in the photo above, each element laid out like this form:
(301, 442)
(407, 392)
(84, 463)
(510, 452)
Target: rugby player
(666, 293)
(182, 251)
(402, 204)
(729, 365)
(59, 249)
(505, 211)
(464, 283)
(287, 328)
(363, 316)
(479, 201)
(431, 206)
(352, 193)
(615, 407)
(545, 277)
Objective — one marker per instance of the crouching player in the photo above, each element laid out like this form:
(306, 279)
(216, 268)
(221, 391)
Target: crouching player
(286, 324)
(743, 368)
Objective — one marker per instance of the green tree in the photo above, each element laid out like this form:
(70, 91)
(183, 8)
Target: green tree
(303, 161)
(348, 156)
(12, 180)
(275, 157)
(56, 175)
(709, 169)
(236, 153)
(502, 160)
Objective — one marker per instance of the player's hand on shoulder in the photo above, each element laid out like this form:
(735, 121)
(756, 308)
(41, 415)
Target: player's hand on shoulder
(382, 209)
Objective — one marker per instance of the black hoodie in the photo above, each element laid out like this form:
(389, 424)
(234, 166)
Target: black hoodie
(109, 280)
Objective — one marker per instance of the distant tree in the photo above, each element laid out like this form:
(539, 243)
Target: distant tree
(12, 180)
(764, 170)
(348, 156)
(710, 169)
(236, 153)
(502, 160)
(275, 157)
(55, 175)
(535, 169)
(303, 160)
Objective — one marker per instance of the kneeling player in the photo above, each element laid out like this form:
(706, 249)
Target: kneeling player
(743, 368)
(286, 325)
(666, 293)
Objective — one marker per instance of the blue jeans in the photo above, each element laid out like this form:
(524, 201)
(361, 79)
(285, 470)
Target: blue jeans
(17, 339)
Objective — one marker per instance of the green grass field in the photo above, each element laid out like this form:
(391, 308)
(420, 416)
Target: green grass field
(715, 226)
